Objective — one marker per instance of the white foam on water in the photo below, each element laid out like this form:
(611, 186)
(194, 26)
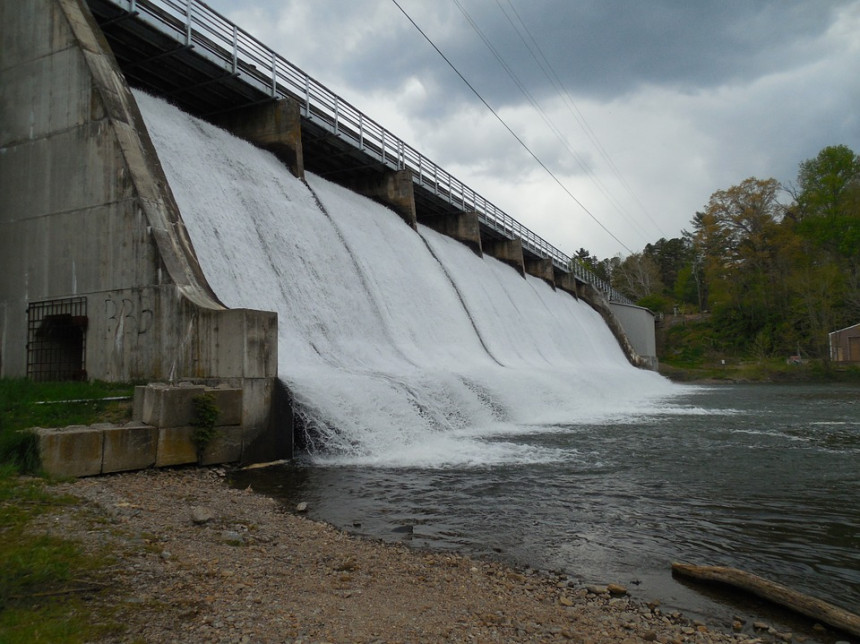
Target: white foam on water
(400, 349)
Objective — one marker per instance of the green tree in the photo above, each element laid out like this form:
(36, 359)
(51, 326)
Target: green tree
(828, 184)
(637, 276)
(736, 243)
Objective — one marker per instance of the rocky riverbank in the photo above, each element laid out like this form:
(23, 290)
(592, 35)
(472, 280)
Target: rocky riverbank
(198, 561)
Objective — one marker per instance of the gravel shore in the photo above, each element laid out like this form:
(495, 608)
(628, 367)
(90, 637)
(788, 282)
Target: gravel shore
(199, 561)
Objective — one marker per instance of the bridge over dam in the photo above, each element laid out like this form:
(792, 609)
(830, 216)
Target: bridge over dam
(119, 266)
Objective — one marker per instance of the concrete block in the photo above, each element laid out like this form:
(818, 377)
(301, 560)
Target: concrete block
(509, 251)
(170, 406)
(393, 189)
(566, 281)
(229, 404)
(131, 447)
(465, 227)
(267, 423)
(71, 451)
(541, 268)
(274, 126)
(175, 446)
(226, 447)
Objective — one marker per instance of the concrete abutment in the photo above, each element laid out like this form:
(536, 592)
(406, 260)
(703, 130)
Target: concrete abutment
(393, 188)
(90, 231)
(462, 226)
(509, 251)
(275, 126)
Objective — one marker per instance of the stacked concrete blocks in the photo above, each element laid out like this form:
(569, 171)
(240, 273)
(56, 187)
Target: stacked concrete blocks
(161, 435)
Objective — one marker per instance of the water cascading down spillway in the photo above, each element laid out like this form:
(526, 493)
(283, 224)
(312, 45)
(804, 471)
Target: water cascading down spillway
(399, 348)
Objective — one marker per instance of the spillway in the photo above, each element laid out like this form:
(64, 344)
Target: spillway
(400, 349)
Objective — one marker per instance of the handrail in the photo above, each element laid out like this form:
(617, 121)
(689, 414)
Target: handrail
(220, 41)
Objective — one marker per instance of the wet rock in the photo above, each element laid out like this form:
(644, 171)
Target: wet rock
(616, 589)
(302, 507)
(597, 590)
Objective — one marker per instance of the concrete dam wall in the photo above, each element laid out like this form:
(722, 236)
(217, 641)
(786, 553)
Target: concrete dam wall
(165, 249)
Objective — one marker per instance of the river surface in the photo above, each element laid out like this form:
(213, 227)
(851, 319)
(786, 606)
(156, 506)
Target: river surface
(764, 478)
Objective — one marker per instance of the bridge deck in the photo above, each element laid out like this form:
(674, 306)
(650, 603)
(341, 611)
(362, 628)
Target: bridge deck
(190, 55)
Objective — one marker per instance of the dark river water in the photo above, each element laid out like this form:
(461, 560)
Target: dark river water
(764, 478)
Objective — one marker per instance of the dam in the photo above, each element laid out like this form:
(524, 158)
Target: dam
(142, 243)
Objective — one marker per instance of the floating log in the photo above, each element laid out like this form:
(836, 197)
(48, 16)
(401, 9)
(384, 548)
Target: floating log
(778, 594)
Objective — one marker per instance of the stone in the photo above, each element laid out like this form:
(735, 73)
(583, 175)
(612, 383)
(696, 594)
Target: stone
(616, 589)
(565, 601)
(201, 514)
(597, 590)
(302, 507)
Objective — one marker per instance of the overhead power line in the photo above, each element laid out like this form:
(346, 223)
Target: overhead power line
(508, 128)
(547, 119)
(552, 76)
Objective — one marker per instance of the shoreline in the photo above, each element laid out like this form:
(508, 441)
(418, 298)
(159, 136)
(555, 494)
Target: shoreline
(200, 561)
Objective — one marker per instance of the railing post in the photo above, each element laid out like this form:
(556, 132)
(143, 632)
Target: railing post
(274, 74)
(307, 96)
(383, 146)
(235, 49)
(188, 5)
(336, 115)
(361, 131)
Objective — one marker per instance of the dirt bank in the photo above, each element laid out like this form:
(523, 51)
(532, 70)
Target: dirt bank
(198, 561)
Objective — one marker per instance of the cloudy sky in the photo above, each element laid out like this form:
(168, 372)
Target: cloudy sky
(640, 108)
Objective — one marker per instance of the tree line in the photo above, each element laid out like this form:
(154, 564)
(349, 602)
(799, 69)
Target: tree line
(775, 267)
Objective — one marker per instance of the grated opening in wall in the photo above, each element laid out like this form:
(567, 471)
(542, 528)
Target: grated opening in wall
(57, 339)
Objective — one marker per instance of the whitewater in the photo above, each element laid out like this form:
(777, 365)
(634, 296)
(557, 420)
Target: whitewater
(400, 349)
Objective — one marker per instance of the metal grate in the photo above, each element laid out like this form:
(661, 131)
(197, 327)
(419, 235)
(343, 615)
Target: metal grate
(57, 339)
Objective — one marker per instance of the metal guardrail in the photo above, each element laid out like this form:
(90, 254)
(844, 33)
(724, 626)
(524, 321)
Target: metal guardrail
(212, 36)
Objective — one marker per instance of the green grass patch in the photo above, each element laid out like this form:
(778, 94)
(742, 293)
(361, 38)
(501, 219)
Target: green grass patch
(46, 581)
(25, 404)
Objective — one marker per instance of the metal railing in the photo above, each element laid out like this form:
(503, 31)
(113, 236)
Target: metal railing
(212, 36)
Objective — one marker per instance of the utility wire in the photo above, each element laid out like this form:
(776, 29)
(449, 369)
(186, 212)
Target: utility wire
(548, 120)
(551, 74)
(508, 128)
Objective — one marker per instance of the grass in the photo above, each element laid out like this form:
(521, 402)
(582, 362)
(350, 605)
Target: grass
(762, 370)
(20, 409)
(47, 582)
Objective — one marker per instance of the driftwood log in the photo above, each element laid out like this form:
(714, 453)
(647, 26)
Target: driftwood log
(804, 604)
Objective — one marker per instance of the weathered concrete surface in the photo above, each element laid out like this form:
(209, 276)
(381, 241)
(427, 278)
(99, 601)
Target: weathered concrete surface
(393, 189)
(595, 299)
(274, 126)
(541, 268)
(130, 447)
(509, 251)
(462, 226)
(86, 211)
(638, 324)
(565, 281)
(71, 451)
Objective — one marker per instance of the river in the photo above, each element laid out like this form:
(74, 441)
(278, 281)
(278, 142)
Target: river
(765, 478)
